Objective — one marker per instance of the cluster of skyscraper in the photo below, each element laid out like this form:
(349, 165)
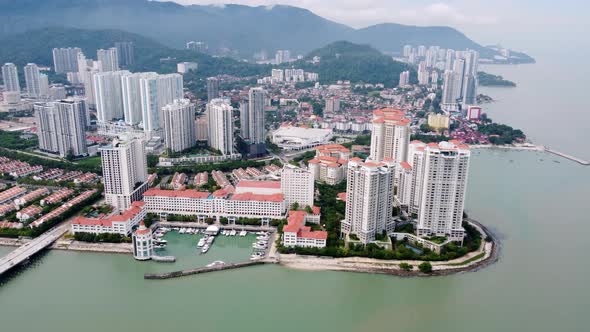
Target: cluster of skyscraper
(459, 73)
(37, 83)
(428, 180)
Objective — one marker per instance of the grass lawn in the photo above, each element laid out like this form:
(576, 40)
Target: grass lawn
(91, 161)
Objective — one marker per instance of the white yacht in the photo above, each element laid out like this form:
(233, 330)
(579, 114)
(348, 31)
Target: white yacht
(216, 263)
(201, 242)
(243, 233)
(205, 249)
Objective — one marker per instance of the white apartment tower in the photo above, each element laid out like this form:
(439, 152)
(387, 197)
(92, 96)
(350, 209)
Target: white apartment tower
(221, 126)
(369, 198)
(37, 83)
(390, 135)
(439, 176)
(124, 171)
(10, 77)
(61, 127)
(108, 95)
(86, 69)
(244, 120)
(131, 93)
(65, 60)
(332, 105)
(256, 120)
(156, 92)
(297, 185)
(108, 59)
(404, 78)
(179, 125)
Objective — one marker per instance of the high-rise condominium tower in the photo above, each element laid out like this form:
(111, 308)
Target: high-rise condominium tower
(212, 88)
(108, 95)
(124, 171)
(369, 198)
(65, 60)
(221, 126)
(125, 52)
(390, 135)
(179, 125)
(108, 59)
(10, 77)
(256, 120)
(61, 127)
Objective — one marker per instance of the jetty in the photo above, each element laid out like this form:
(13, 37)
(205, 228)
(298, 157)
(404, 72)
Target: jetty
(201, 270)
(567, 156)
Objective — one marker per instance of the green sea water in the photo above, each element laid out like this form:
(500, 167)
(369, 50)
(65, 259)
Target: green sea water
(536, 206)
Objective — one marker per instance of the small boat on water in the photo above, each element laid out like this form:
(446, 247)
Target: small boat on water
(243, 233)
(205, 249)
(160, 241)
(201, 242)
(210, 240)
(233, 232)
(159, 246)
(216, 263)
(182, 230)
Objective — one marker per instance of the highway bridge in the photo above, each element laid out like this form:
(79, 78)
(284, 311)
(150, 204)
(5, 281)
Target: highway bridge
(24, 252)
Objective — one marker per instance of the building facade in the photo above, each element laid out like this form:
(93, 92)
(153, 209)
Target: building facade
(143, 245)
(65, 60)
(221, 125)
(124, 171)
(297, 185)
(212, 88)
(369, 197)
(179, 125)
(108, 94)
(108, 59)
(61, 127)
(390, 135)
(10, 77)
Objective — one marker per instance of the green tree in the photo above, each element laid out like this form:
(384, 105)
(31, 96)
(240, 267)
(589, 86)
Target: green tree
(425, 267)
(406, 267)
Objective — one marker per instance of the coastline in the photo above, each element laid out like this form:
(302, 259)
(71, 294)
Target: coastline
(61, 244)
(487, 254)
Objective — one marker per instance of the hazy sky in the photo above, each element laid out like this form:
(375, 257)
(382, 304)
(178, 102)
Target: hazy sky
(518, 24)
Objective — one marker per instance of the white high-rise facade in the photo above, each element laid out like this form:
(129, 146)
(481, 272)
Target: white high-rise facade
(435, 191)
(86, 69)
(244, 120)
(10, 77)
(124, 171)
(61, 127)
(369, 198)
(108, 95)
(390, 135)
(65, 60)
(179, 125)
(221, 125)
(449, 93)
(256, 119)
(297, 185)
(131, 93)
(36, 82)
(108, 59)
(404, 78)
(212, 88)
(156, 92)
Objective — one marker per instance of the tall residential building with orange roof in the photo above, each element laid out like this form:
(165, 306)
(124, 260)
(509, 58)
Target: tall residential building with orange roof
(390, 135)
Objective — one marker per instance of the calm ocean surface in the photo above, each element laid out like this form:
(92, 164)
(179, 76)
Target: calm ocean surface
(537, 204)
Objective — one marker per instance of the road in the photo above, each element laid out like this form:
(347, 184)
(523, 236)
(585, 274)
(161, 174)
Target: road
(24, 252)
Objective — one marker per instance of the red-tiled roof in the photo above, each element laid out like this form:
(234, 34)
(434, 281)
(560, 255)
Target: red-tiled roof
(258, 197)
(259, 184)
(177, 193)
(342, 196)
(405, 165)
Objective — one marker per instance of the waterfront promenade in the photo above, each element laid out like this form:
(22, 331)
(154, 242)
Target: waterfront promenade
(24, 252)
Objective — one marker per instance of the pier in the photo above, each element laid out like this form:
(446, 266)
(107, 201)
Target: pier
(24, 252)
(200, 270)
(567, 156)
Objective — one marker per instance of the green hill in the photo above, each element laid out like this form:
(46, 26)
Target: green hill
(358, 63)
(239, 28)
